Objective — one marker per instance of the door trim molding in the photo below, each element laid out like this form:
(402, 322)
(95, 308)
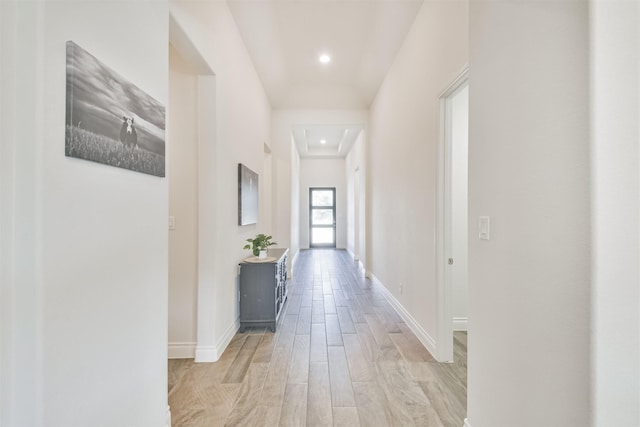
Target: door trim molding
(444, 333)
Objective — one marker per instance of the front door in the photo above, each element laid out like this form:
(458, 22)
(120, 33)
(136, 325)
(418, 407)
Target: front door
(322, 217)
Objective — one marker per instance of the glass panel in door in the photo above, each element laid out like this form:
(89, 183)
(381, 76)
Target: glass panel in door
(322, 217)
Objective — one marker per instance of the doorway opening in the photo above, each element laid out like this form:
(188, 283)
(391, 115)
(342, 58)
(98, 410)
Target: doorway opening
(356, 214)
(192, 130)
(453, 235)
(322, 217)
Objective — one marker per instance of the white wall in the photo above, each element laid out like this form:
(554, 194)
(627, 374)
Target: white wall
(529, 171)
(459, 208)
(615, 112)
(323, 173)
(402, 158)
(294, 240)
(350, 173)
(356, 202)
(183, 205)
(21, 317)
(85, 294)
(266, 190)
(350, 189)
(239, 100)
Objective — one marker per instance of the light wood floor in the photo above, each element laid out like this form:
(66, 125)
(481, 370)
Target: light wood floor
(341, 356)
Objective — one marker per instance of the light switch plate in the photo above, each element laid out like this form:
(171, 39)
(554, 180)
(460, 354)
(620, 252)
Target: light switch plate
(172, 223)
(484, 228)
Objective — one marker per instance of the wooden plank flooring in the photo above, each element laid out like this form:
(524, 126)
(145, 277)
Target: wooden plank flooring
(341, 356)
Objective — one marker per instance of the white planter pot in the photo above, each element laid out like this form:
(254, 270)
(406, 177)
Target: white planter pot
(263, 254)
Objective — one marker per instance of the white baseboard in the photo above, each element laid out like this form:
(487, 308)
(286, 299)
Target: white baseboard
(351, 254)
(466, 423)
(294, 259)
(167, 420)
(206, 354)
(182, 350)
(226, 338)
(359, 261)
(460, 323)
(422, 335)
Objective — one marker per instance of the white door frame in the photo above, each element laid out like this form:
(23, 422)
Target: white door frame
(444, 346)
(209, 346)
(356, 214)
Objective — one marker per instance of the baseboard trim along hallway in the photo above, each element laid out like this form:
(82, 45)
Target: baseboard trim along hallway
(460, 323)
(182, 350)
(212, 354)
(421, 334)
(167, 419)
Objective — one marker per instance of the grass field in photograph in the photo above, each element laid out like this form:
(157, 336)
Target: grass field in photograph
(87, 145)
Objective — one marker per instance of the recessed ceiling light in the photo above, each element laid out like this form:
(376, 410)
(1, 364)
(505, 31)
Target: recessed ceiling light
(324, 58)
(323, 141)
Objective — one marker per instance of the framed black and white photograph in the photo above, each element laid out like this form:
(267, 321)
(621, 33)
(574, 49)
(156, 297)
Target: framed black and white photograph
(247, 195)
(110, 120)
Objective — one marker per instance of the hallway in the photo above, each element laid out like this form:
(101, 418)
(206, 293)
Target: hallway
(341, 356)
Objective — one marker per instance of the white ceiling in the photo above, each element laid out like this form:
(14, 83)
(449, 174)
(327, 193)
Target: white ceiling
(284, 39)
(338, 139)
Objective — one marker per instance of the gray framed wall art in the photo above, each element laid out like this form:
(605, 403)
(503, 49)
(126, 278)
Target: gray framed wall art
(247, 195)
(110, 120)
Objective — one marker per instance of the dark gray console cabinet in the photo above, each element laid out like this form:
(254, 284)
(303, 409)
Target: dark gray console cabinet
(263, 289)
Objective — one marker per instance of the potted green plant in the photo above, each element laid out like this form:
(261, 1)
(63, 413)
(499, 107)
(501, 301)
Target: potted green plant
(259, 244)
